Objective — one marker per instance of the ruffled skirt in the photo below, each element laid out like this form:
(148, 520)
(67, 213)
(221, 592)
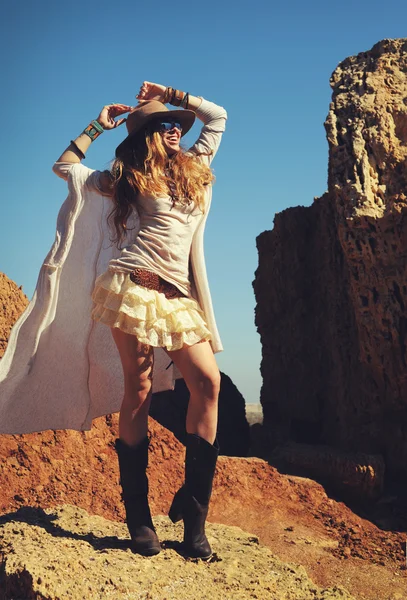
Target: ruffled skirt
(150, 316)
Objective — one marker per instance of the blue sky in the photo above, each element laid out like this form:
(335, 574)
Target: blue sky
(267, 63)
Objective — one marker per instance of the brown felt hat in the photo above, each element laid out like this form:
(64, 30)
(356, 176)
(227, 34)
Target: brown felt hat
(145, 112)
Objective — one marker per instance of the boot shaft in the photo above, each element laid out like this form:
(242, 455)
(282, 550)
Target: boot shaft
(200, 465)
(133, 462)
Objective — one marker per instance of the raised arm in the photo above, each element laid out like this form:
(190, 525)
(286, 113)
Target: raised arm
(214, 123)
(213, 116)
(76, 150)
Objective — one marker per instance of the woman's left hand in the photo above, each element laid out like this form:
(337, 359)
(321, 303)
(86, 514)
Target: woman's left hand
(151, 91)
(108, 114)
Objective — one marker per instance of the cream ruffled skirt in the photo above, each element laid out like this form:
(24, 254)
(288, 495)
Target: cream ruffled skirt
(150, 316)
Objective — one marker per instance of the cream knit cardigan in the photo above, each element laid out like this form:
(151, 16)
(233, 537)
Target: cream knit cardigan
(61, 369)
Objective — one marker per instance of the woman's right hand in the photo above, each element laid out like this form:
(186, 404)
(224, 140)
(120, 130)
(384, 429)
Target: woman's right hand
(108, 114)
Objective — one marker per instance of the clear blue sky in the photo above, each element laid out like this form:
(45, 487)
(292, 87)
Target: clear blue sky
(268, 63)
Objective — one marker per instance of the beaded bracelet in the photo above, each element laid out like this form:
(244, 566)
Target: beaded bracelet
(93, 130)
(79, 151)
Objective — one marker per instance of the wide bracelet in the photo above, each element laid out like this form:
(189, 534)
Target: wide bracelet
(93, 130)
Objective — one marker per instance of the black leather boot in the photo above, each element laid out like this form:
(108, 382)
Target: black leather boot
(133, 462)
(191, 502)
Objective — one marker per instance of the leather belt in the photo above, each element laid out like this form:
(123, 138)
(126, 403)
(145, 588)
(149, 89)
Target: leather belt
(153, 281)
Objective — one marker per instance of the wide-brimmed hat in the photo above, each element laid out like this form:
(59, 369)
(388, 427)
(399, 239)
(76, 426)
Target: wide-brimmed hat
(145, 112)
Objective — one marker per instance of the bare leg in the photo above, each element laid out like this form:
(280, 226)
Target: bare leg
(137, 362)
(200, 371)
(201, 374)
(132, 443)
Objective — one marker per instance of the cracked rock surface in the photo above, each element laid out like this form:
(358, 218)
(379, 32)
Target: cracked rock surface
(64, 553)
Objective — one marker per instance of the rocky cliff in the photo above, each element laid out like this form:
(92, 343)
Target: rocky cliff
(331, 285)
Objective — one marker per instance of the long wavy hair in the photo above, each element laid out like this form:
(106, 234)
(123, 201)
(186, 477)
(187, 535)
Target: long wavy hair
(145, 168)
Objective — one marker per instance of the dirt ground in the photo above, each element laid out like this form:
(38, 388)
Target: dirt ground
(333, 543)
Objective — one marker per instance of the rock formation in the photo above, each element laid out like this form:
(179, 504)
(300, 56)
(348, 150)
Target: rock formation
(331, 286)
(65, 553)
(354, 475)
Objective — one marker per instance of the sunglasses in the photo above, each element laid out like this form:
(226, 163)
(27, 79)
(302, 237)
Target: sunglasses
(168, 125)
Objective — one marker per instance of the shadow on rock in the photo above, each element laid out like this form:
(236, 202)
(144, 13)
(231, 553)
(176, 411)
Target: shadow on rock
(38, 517)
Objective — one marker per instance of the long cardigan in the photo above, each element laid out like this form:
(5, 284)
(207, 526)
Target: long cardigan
(61, 369)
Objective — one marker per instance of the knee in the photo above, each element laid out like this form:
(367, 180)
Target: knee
(209, 384)
(138, 384)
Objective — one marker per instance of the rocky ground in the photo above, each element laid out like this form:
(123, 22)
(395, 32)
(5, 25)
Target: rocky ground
(65, 553)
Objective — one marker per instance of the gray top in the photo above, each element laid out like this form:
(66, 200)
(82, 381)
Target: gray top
(163, 241)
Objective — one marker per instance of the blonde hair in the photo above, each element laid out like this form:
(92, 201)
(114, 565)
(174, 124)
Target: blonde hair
(145, 168)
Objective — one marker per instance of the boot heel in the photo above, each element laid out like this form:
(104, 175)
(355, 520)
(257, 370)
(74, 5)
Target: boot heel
(175, 512)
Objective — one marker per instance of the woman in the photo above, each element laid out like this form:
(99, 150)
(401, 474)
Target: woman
(146, 295)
